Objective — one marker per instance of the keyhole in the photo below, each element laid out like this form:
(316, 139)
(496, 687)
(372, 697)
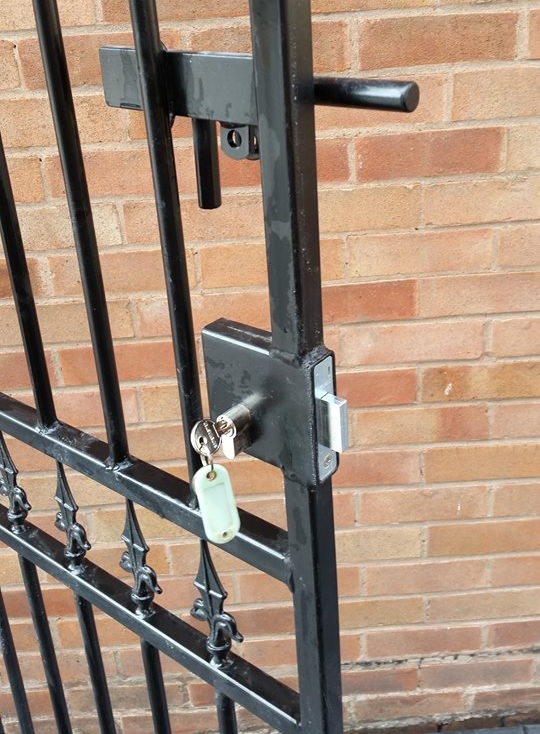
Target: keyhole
(234, 139)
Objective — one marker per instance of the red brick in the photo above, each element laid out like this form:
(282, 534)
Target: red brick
(515, 420)
(490, 200)
(82, 55)
(369, 301)
(419, 425)
(429, 153)
(482, 381)
(489, 604)
(481, 538)
(518, 246)
(472, 673)
(9, 73)
(186, 722)
(381, 387)
(487, 293)
(522, 571)
(128, 271)
(534, 34)
(414, 505)
(26, 122)
(494, 93)
(49, 228)
(516, 337)
(508, 699)
(379, 680)
(409, 705)
(425, 577)
(363, 613)
(369, 208)
(323, 6)
(240, 216)
(355, 546)
(83, 407)
(378, 467)
(115, 11)
(517, 499)
(407, 253)
(409, 41)
(523, 152)
(430, 641)
(16, 16)
(494, 461)
(516, 634)
(406, 343)
(26, 180)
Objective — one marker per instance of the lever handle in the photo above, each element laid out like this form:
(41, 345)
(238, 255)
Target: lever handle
(378, 94)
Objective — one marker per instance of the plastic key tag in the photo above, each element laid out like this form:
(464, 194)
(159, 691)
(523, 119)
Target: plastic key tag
(213, 488)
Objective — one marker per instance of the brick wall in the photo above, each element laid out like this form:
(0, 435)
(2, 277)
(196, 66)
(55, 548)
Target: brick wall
(430, 249)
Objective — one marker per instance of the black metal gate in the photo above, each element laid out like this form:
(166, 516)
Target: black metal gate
(275, 391)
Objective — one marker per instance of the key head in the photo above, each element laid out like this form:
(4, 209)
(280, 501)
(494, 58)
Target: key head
(205, 437)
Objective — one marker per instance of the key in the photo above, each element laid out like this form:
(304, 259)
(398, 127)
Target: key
(206, 436)
(213, 489)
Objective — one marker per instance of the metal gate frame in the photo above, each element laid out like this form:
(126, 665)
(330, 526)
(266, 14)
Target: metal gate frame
(270, 97)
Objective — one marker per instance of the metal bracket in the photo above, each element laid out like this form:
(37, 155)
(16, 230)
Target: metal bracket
(286, 430)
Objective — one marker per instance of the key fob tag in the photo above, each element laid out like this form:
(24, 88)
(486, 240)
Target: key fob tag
(212, 486)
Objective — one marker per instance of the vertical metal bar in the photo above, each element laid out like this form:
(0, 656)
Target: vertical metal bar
(69, 148)
(24, 298)
(150, 62)
(206, 163)
(313, 563)
(226, 713)
(46, 645)
(14, 672)
(282, 57)
(156, 688)
(98, 678)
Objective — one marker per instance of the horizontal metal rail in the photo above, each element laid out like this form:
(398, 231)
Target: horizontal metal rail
(260, 693)
(259, 543)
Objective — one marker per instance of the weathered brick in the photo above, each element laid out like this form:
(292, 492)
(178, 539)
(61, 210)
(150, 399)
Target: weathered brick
(486, 293)
(381, 387)
(26, 179)
(17, 16)
(489, 604)
(518, 246)
(493, 461)
(410, 40)
(115, 11)
(482, 381)
(355, 546)
(523, 148)
(378, 467)
(516, 420)
(414, 704)
(26, 122)
(419, 425)
(481, 538)
(417, 342)
(494, 93)
(425, 577)
(369, 301)
(410, 642)
(380, 612)
(516, 634)
(534, 34)
(429, 153)
(523, 570)
(489, 200)
(82, 55)
(517, 500)
(407, 253)
(423, 504)
(9, 73)
(471, 672)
